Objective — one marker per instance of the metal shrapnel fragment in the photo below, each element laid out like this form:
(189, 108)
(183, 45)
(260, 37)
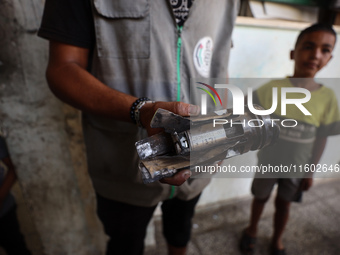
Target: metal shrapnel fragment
(202, 140)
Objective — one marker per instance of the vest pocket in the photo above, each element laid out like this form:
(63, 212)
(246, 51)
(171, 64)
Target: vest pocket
(122, 28)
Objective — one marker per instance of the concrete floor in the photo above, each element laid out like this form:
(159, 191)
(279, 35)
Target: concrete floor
(313, 228)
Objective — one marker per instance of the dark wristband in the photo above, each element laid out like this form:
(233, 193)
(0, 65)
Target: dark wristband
(134, 110)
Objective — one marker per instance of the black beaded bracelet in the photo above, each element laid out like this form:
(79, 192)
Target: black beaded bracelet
(134, 107)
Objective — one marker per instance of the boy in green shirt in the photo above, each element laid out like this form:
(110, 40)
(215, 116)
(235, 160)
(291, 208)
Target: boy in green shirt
(300, 145)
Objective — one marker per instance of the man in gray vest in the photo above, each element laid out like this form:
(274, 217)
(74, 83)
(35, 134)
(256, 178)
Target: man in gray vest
(119, 61)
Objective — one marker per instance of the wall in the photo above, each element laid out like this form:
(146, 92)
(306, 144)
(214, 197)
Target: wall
(44, 139)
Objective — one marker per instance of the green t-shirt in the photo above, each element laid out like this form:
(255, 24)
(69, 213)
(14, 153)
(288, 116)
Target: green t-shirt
(295, 144)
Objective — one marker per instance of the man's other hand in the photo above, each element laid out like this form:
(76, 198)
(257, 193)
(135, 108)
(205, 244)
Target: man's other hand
(178, 179)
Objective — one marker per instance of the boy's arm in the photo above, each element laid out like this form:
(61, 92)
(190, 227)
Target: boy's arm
(318, 148)
(9, 180)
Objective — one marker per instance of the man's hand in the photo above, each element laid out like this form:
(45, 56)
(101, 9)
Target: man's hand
(183, 109)
(178, 179)
(306, 183)
(148, 111)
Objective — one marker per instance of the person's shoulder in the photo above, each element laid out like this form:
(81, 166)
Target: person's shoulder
(69, 22)
(326, 92)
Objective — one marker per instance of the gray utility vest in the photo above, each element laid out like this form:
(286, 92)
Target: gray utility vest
(141, 51)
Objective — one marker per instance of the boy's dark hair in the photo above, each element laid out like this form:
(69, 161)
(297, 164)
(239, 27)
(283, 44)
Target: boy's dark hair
(314, 28)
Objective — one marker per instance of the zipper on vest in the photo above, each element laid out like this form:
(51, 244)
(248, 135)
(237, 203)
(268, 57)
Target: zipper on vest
(179, 48)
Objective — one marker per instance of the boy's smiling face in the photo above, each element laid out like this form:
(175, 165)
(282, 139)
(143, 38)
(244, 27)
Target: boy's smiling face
(312, 52)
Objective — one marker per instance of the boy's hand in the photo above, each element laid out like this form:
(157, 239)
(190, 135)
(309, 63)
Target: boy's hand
(306, 183)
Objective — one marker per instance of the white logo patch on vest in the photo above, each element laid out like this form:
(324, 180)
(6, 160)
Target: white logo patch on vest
(202, 56)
